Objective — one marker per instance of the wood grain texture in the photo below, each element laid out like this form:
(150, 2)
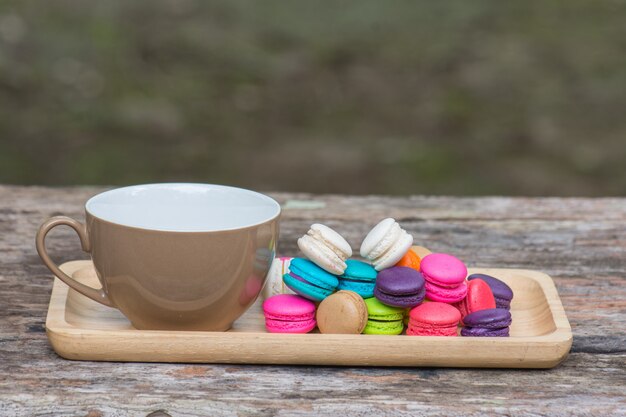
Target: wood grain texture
(581, 243)
(80, 328)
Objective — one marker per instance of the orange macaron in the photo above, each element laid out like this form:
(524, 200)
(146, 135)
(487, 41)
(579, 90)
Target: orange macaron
(410, 260)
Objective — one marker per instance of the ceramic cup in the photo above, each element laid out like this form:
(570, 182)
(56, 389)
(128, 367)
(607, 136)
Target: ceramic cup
(175, 256)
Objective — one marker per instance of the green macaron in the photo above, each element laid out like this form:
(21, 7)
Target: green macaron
(383, 319)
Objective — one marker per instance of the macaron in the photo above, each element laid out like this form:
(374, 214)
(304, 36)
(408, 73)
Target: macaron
(400, 286)
(420, 251)
(445, 295)
(327, 248)
(309, 280)
(484, 332)
(343, 312)
(274, 283)
(479, 297)
(433, 319)
(502, 293)
(383, 319)
(493, 322)
(386, 244)
(359, 277)
(445, 277)
(443, 270)
(288, 313)
(410, 260)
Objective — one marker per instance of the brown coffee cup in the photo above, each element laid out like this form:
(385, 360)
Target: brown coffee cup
(175, 256)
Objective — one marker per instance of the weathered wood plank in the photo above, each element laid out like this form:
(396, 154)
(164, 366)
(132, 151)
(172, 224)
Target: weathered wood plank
(137, 389)
(580, 242)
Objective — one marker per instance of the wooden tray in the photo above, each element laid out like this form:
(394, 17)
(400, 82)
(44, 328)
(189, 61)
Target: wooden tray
(541, 337)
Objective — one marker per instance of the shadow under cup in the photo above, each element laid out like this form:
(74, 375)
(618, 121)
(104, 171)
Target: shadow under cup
(176, 256)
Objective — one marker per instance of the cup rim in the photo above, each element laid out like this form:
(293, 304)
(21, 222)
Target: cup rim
(278, 209)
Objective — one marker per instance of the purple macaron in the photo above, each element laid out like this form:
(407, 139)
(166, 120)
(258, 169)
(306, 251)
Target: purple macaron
(502, 293)
(481, 332)
(400, 286)
(493, 322)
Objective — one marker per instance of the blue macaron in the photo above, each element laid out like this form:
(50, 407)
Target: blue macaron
(359, 277)
(309, 280)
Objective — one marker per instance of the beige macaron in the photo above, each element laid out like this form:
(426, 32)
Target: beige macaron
(343, 312)
(274, 283)
(326, 248)
(420, 251)
(386, 244)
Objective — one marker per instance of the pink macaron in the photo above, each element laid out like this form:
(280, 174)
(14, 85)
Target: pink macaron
(433, 319)
(445, 277)
(479, 297)
(445, 295)
(288, 313)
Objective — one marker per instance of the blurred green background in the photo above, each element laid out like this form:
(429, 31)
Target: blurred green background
(470, 98)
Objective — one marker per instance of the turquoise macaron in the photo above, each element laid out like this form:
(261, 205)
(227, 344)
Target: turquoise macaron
(359, 277)
(309, 280)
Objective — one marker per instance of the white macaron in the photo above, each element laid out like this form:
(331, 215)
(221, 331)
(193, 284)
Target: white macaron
(274, 283)
(326, 248)
(386, 244)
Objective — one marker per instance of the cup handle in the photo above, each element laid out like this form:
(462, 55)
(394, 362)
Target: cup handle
(95, 294)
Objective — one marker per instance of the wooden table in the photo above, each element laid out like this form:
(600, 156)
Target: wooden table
(580, 242)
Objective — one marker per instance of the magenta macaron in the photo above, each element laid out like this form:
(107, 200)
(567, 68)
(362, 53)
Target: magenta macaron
(288, 313)
(445, 277)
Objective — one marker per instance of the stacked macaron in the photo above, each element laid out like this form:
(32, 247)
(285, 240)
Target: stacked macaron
(326, 268)
(316, 278)
(485, 310)
(401, 285)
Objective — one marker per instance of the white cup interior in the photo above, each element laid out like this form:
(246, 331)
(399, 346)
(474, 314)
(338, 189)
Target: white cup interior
(183, 207)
